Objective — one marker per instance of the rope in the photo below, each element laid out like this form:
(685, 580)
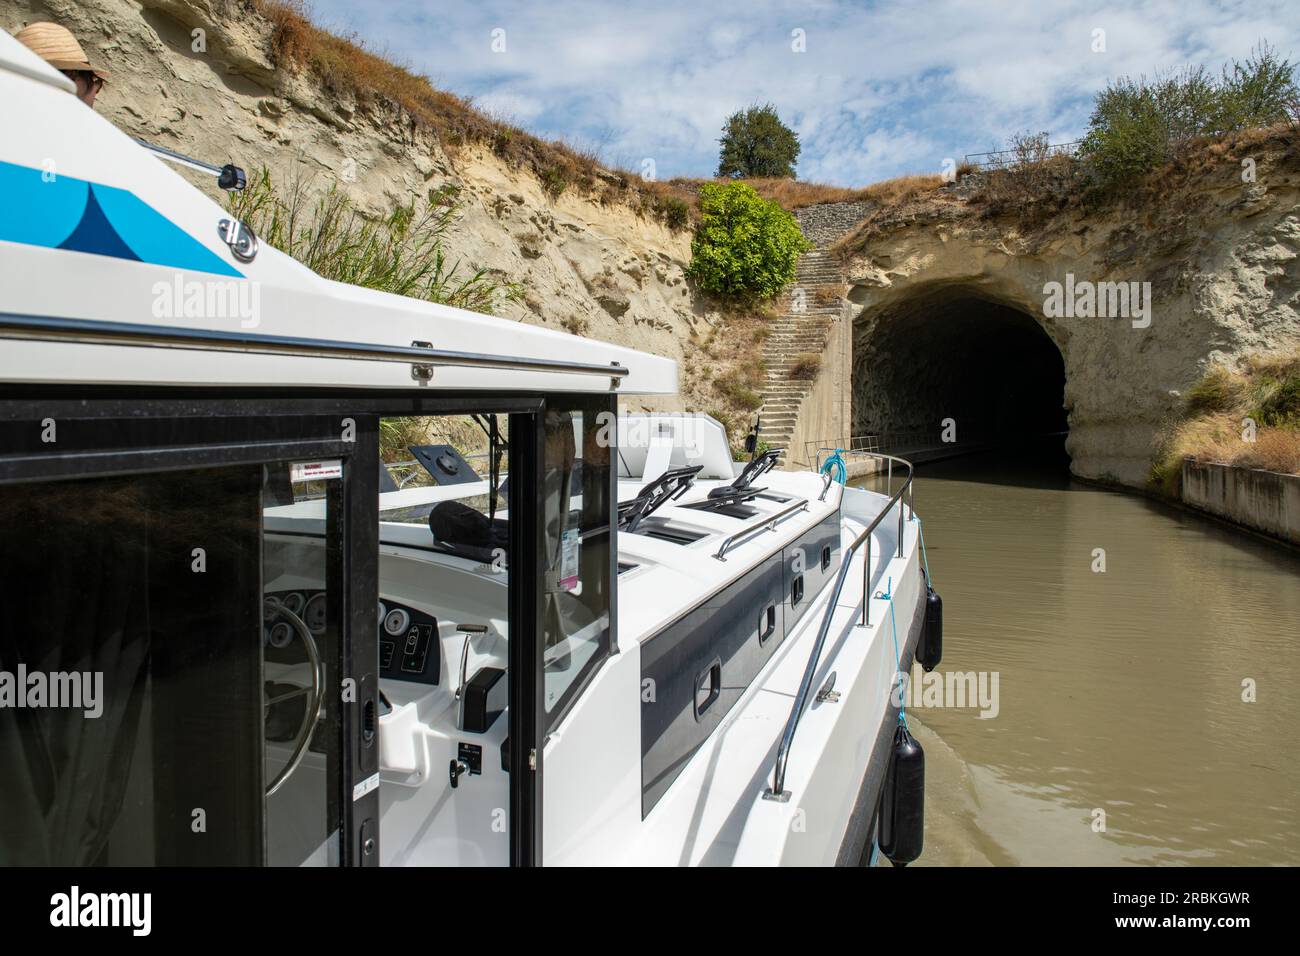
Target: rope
(898, 657)
(837, 462)
(924, 560)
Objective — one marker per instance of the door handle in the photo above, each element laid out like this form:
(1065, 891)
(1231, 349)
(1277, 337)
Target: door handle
(711, 677)
(767, 624)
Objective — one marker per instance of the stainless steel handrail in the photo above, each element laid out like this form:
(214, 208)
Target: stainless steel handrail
(230, 177)
(767, 524)
(44, 328)
(848, 448)
(826, 486)
(180, 159)
(778, 791)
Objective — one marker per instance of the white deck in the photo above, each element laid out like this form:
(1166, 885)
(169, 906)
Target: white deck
(714, 814)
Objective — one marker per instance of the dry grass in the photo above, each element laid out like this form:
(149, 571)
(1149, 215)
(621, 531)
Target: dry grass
(1202, 158)
(1264, 389)
(1031, 191)
(899, 197)
(576, 325)
(792, 194)
(789, 194)
(903, 188)
(1038, 189)
(806, 366)
(723, 374)
(396, 435)
(742, 394)
(345, 66)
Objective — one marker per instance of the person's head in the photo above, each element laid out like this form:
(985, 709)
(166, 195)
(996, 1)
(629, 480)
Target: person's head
(89, 83)
(58, 47)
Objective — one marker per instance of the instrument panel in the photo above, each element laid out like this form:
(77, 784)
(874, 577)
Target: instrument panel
(408, 644)
(408, 639)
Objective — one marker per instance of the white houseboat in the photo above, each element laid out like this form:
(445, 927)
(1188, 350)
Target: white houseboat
(232, 634)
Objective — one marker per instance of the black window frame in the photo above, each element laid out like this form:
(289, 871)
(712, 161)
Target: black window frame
(594, 405)
(86, 405)
(270, 433)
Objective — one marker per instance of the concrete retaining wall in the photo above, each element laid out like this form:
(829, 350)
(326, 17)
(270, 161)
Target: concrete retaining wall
(824, 411)
(1263, 500)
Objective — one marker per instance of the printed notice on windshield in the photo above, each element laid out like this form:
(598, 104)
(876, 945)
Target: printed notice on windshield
(570, 543)
(316, 470)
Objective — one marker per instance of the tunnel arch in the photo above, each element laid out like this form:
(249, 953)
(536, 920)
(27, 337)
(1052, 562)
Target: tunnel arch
(958, 351)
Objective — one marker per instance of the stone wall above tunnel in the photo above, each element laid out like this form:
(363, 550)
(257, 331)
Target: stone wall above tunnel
(933, 298)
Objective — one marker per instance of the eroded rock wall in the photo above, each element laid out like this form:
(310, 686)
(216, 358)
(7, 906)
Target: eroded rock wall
(1220, 255)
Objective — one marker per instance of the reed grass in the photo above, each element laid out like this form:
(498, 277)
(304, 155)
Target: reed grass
(1246, 415)
(403, 251)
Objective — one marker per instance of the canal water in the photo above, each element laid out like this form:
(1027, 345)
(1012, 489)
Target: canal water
(1124, 731)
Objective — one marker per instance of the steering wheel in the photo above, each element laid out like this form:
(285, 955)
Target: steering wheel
(312, 711)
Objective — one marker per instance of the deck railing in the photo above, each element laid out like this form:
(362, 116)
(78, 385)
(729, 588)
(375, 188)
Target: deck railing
(778, 791)
(849, 448)
(766, 523)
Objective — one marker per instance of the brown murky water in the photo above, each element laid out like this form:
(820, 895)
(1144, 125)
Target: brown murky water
(1119, 691)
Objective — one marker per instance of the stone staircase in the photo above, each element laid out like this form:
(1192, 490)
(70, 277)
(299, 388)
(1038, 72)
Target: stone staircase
(792, 334)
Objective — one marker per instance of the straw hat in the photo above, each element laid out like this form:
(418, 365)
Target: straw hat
(56, 46)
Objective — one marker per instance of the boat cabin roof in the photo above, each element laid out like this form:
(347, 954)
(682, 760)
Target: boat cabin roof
(115, 270)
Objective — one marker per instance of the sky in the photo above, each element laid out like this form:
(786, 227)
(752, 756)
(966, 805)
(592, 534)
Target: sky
(874, 89)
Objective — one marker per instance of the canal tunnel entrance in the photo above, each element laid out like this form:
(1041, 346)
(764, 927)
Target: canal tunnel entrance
(954, 353)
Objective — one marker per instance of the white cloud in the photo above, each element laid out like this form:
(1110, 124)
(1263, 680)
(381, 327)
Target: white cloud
(884, 88)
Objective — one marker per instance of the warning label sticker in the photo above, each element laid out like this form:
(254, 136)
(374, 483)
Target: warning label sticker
(316, 470)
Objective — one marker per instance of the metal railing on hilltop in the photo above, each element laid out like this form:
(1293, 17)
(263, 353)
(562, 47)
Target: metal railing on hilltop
(1002, 158)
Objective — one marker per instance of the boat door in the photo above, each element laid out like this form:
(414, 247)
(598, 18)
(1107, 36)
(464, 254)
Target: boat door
(180, 682)
(460, 785)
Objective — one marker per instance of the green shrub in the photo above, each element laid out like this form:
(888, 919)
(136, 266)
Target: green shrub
(1277, 400)
(1138, 125)
(744, 246)
(1218, 391)
(554, 181)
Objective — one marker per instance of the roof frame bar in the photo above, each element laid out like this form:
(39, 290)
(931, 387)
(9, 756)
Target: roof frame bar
(45, 328)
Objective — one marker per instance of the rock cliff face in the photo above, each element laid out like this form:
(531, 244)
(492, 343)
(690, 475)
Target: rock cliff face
(603, 271)
(956, 317)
